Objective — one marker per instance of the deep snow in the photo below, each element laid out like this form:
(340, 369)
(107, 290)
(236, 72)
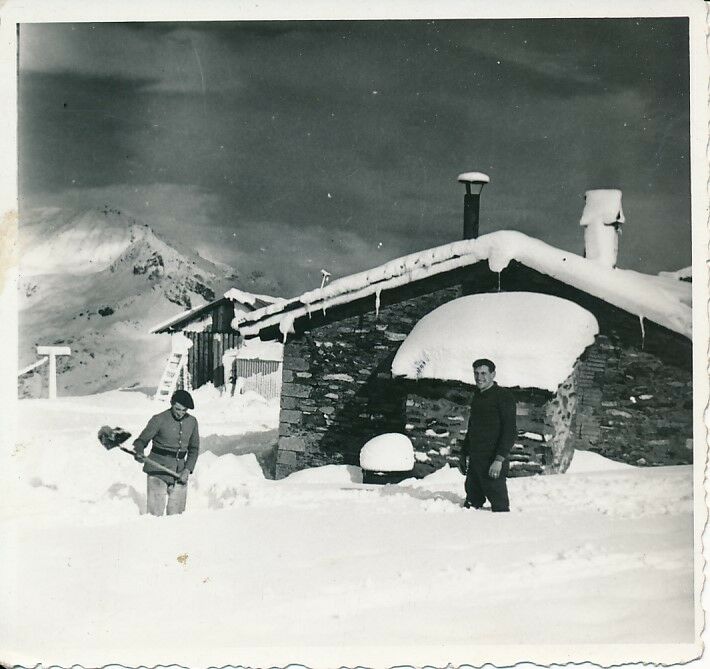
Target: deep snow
(264, 573)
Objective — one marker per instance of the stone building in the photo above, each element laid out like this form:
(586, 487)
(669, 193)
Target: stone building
(628, 394)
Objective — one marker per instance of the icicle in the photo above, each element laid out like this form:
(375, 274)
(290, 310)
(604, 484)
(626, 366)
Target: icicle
(308, 310)
(286, 326)
(377, 303)
(643, 332)
(499, 282)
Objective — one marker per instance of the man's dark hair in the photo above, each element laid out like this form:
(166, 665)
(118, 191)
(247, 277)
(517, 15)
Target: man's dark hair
(485, 361)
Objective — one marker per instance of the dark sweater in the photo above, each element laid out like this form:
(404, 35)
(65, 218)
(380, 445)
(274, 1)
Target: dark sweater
(491, 425)
(172, 441)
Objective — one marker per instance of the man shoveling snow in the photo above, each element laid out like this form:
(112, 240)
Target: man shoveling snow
(176, 445)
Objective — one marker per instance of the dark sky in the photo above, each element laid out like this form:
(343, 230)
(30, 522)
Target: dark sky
(287, 147)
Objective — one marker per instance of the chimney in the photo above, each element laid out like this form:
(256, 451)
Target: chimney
(474, 181)
(602, 218)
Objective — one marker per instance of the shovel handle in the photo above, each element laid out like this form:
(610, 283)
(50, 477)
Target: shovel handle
(153, 463)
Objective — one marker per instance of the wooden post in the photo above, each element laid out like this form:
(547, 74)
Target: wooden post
(52, 352)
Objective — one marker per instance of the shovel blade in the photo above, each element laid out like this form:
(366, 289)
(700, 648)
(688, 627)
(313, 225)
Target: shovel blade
(110, 437)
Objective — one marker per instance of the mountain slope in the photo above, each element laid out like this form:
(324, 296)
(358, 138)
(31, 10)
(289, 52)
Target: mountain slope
(97, 281)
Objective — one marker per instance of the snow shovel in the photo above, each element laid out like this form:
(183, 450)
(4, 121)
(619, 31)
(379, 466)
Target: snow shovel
(112, 437)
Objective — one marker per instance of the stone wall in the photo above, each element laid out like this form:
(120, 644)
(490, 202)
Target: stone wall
(338, 390)
(437, 418)
(632, 406)
(627, 403)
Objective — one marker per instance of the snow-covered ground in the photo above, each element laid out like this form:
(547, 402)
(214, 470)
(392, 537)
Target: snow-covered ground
(262, 573)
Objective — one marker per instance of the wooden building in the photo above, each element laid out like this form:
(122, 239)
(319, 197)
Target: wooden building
(212, 338)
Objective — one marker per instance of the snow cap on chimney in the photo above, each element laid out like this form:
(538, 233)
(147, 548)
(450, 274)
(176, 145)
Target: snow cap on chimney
(473, 177)
(602, 218)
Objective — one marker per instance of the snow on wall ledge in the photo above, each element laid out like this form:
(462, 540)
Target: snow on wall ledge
(533, 339)
(658, 298)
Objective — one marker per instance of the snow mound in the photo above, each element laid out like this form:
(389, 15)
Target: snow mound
(444, 478)
(327, 474)
(224, 481)
(389, 452)
(588, 461)
(533, 339)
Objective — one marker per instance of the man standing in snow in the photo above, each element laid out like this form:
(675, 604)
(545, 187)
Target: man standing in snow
(489, 438)
(176, 445)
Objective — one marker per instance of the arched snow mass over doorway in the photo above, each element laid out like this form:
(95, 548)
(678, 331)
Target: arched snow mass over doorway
(533, 339)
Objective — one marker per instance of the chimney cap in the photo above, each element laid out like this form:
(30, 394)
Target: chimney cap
(602, 207)
(473, 178)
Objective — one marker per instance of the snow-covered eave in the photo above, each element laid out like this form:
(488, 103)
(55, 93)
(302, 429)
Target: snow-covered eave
(165, 326)
(649, 297)
(244, 297)
(684, 273)
(233, 295)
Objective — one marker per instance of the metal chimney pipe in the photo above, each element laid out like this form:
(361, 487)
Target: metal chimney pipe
(474, 182)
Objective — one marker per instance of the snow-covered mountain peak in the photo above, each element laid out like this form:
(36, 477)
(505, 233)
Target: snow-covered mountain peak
(96, 281)
(55, 241)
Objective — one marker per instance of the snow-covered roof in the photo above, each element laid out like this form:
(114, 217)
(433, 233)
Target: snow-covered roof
(660, 299)
(686, 273)
(444, 343)
(239, 297)
(252, 299)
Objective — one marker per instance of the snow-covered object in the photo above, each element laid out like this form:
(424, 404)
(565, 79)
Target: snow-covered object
(601, 218)
(389, 452)
(474, 177)
(533, 339)
(661, 300)
(602, 207)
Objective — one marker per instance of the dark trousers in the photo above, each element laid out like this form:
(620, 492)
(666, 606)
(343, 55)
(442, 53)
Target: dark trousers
(480, 486)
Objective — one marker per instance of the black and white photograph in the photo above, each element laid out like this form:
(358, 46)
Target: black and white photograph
(342, 335)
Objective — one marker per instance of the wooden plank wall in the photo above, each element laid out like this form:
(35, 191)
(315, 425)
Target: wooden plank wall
(204, 360)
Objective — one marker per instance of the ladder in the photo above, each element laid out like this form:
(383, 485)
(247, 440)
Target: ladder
(171, 374)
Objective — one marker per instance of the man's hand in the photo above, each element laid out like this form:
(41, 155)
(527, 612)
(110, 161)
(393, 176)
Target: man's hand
(495, 469)
(138, 457)
(463, 464)
(184, 475)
